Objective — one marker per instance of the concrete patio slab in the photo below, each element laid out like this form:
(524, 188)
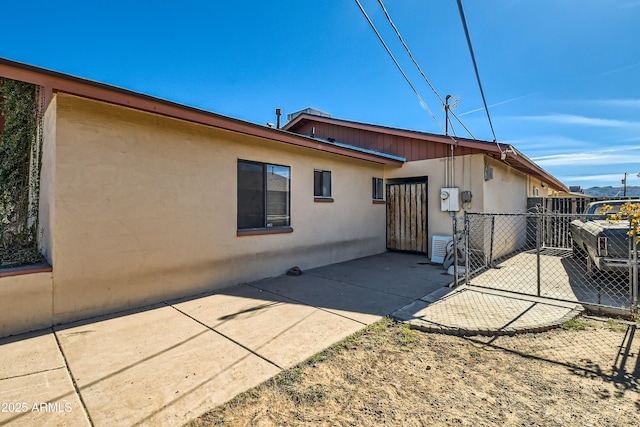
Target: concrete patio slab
(169, 363)
(155, 367)
(358, 303)
(31, 353)
(308, 336)
(407, 275)
(562, 277)
(278, 329)
(470, 311)
(236, 303)
(437, 294)
(35, 387)
(518, 274)
(45, 398)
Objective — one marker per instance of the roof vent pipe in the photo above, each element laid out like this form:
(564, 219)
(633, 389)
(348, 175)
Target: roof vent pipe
(278, 114)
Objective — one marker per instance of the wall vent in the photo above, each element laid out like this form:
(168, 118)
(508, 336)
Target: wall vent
(488, 173)
(439, 248)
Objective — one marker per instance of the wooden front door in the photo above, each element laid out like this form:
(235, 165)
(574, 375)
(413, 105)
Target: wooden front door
(407, 217)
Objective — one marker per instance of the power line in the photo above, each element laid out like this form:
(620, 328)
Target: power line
(415, 62)
(397, 64)
(408, 51)
(462, 124)
(475, 66)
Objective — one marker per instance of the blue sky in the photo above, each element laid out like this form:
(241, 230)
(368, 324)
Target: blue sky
(561, 77)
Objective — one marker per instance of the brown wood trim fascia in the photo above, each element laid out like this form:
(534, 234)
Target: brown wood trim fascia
(23, 270)
(523, 163)
(424, 136)
(371, 128)
(261, 231)
(379, 202)
(59, 82)
(323, 199)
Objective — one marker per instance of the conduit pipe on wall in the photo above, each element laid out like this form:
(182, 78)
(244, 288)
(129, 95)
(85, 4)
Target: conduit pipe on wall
(452, 179)
(453, 172)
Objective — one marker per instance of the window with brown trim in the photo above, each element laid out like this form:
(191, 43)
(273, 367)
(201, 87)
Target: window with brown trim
(263, 195)
(377, 192)
(322, 183)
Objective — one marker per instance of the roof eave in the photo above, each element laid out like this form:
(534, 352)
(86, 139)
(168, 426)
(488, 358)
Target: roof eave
(59, 82)
(526, 165)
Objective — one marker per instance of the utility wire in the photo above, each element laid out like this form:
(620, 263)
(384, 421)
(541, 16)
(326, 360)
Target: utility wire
(384, 9)
(475, 67)
(398, 65)
(386, 13)
(462, 124)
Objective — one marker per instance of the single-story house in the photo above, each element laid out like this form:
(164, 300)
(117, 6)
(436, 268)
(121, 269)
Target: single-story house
(481, 176)
(144, 200)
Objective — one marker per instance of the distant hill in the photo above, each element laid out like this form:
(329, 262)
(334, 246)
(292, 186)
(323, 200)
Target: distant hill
(611, 191)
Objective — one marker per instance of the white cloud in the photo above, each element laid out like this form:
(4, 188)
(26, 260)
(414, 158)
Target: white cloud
(498, 103)
(623, 103)
(572, 119)
(607, 156)
(550, 143)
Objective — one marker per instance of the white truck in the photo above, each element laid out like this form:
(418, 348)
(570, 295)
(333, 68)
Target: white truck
(605, 245)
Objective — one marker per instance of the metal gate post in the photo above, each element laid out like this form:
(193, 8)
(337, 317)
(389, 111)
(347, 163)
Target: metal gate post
(455, 252)
(538, 231)
(493, 230)
(467, 267)
(634, 272)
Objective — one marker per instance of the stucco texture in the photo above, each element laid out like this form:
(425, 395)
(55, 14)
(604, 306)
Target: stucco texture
(25, 303)
(145, 209)
(507, 192)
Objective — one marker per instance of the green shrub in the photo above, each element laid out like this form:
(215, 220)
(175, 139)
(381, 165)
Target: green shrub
(19, 173)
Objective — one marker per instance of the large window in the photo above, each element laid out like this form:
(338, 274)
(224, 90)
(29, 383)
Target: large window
(263, 195)
(321, 183)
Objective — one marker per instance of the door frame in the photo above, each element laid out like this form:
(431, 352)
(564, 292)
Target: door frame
(407, 221)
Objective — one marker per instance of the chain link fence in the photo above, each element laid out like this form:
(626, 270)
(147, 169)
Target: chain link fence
(566, 257)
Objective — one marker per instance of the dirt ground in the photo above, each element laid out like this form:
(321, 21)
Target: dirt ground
(584, 374)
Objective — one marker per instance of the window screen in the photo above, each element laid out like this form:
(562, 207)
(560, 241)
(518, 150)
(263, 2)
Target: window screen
(263, 195)
(378, 189)
(278, 178)
(321, 183)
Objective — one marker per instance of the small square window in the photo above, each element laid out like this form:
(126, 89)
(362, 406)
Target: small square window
(321, 183)
(378, 189)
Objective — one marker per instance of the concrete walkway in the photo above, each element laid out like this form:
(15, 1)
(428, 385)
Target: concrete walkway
(169, 363)
(470, 310)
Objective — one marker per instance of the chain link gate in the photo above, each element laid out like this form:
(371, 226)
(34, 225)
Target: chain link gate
(535, 254)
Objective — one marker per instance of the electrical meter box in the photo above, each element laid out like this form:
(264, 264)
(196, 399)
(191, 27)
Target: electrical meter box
(449, 199)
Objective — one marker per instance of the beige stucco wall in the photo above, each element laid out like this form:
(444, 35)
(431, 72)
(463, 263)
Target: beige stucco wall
(505, 193)
(466, 171)
(145, 209)
(25, 303)
(535, 184)
(47, 184)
